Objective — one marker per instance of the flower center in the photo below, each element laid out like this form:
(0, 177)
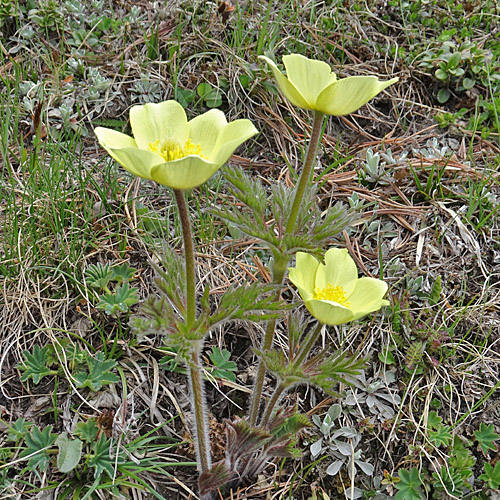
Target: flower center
(331, 293)
(172, 149)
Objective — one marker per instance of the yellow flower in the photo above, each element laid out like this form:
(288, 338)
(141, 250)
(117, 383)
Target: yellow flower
(168, 149)
(310, 84)
(332, 292)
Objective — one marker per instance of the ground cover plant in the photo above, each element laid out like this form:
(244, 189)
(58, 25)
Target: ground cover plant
(399, 399)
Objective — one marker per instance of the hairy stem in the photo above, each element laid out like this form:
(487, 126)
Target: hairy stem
(188, 257)
(306, 170)
(307, 345)
(280, 389)
(279, 270)
(279, 267)
(202, 436)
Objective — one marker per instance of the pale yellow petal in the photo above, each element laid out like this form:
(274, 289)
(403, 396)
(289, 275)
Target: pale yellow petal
(205, 130)
(136, 161)
(165, 120)
(349, 94)
(230, 137)
(367, 297)
(329, 313)
(339, 270)
(303, 274)
(109, 138)
(185, 173)
(287, 88)
(308, 76)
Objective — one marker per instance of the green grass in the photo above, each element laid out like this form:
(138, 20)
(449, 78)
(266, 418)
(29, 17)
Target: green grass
(64, 205)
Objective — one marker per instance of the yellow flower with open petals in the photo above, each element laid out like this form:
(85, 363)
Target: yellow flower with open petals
(169, 149)
(310, 84)
(332, 292)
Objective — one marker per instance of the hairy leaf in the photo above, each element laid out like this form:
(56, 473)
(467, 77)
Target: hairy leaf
(216, 477)
(35, 364)
(70, 452)
(38, 443)
(98, 373)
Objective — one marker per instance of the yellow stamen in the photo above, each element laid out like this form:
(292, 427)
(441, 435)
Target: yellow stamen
(331, 293)
(171, 149)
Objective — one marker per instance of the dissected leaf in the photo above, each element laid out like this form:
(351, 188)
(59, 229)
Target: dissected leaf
(122, 272)
(491, 475)
(409, 486)
(87, 430)
(486, 437)
(223, 368)
(99, 373)
(18, 429)
(35, 364)
(441, 436)
(38, 443)
(98, 275)
(434, 420)
(100, 459)
(119, 301)
(216, 477)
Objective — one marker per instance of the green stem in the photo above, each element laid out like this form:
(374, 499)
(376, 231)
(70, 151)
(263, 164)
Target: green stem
(306, 170)
(188, 257)
(272, 403)
(202, 437)
(279, 270)
(307, 345)
(279, 267)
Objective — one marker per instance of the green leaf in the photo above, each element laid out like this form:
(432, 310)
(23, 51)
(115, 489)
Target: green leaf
(35, 365)
(98, 275)
(38, 442)
(468, 83)
(223, 368)
(386, 357)
(441, 436)
(18, 430)
(70, 452)
(434, 420)
(454, 60)
(209, 94)
(185, 97)
(491, 475)
(120, 300)
(409, 485)
(436, 290)
(122, 273)
(443, 95)
(486, 437)
(87, 430)
(441, 74)
(100, 459)
(99, 373)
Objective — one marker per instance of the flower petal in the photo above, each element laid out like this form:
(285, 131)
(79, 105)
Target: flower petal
(303, 274)
(165, 120)
(205, 129)
(308, 76)
(287, 88)
(367, 297)
(230, 137)
(349, 94)
(185, 173)
(137, 161)
(329, 312)
(109, 138)
(339, 270)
